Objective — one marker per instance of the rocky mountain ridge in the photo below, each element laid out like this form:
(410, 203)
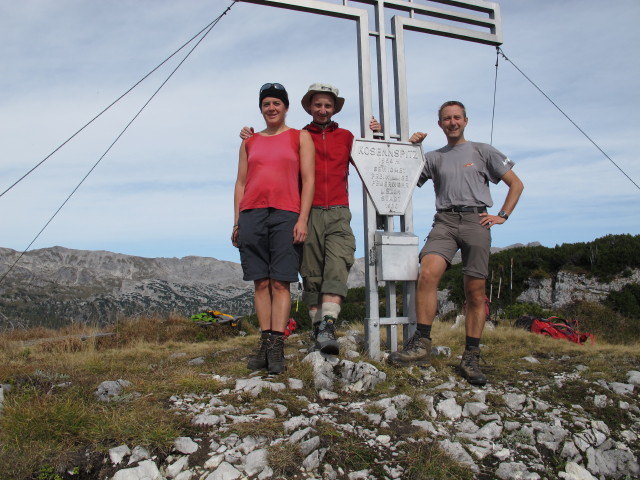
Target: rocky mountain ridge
(57, 286)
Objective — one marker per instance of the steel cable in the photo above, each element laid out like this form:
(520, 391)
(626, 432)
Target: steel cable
(206, 31)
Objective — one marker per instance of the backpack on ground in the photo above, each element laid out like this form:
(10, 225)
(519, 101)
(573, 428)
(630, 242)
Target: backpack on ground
(555, 327)
(214, 316)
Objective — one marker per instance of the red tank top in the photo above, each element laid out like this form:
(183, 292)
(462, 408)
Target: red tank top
(273, 172)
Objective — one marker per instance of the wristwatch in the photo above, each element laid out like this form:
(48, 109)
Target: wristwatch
(503, 214)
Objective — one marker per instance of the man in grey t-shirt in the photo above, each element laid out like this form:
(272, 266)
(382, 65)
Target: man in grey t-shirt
(461, 172)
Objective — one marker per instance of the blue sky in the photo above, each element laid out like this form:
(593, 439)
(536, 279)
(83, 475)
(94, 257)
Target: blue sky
(166, 188)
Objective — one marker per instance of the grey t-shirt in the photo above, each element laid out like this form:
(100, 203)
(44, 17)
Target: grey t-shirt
(461, 174)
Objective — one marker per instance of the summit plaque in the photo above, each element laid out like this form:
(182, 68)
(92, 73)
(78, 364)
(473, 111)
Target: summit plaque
(389, 171)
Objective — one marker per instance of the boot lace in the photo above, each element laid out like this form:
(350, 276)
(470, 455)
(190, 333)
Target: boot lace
(263, 346)
(413, 344)
(328, 329)
(276, 353)
(472, 360)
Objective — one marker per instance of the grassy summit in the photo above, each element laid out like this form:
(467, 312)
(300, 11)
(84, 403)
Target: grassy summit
(54, 428)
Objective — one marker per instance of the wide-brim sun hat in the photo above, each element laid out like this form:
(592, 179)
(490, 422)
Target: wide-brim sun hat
(322, 88)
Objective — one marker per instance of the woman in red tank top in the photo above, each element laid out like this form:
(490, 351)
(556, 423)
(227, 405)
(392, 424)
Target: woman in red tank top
(273, 195)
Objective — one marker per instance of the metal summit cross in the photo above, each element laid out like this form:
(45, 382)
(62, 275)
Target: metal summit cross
(388, 165)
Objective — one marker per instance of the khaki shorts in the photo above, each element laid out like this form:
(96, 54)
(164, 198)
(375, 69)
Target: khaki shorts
(452, 231)
(327, 254)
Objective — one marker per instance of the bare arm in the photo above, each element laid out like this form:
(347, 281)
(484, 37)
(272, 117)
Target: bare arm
(513, 195)
(307, 174)
(238, 193)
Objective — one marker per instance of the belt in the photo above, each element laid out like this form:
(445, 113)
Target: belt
(330, 207)
(464, 209)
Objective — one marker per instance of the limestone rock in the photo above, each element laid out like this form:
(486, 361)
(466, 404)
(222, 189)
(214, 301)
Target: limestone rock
(117, 454)
(146, 470)
(110, 390)
(185, 445)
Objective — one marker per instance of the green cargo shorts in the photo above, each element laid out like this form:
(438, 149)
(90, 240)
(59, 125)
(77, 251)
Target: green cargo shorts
(327, 254)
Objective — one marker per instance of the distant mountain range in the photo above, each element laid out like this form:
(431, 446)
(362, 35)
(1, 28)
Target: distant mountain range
(57, 286)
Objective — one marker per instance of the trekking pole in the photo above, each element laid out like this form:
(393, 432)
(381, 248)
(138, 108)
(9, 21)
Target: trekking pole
(511, 283)
(499, 288)
(491, 287)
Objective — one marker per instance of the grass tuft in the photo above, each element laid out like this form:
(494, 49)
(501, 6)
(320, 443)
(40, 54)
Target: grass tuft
(427, 461)
(284, 460)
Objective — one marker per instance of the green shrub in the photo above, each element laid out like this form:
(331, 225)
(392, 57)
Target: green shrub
(517, 310)
(626, 301)
(357, 294)
(603, 322)
(540, 274)
(353, 312)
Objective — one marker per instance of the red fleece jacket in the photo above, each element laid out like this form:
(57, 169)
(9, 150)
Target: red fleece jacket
(333, 152)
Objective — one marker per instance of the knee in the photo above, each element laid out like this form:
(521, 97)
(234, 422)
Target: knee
(261, 285)
(279, 287)
(427, 278)
(423, 277)
(475, 298)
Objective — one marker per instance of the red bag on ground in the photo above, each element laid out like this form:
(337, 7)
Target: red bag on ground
(557, 327)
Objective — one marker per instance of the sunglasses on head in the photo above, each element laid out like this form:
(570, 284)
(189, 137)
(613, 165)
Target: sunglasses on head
(267, 86)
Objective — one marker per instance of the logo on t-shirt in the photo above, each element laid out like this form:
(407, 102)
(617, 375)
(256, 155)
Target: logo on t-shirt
(468, 164)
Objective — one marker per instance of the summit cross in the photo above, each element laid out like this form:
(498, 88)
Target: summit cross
(469, 20)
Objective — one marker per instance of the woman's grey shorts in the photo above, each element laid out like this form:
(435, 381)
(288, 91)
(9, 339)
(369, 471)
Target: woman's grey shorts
(265, 240)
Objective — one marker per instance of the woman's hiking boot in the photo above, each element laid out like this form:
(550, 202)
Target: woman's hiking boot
(258, 361)
(325, 336)
(470, 366)
(275, 355)
(417, 351)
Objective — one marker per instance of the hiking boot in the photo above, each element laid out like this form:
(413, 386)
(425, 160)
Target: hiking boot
(275, 355)
(259, 360)
(470, 367)
(416, 351)
(325, 336)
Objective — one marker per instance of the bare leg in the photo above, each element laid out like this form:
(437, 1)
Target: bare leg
(432, 267)
(262, 298)
(280, 306)
(474, 290)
